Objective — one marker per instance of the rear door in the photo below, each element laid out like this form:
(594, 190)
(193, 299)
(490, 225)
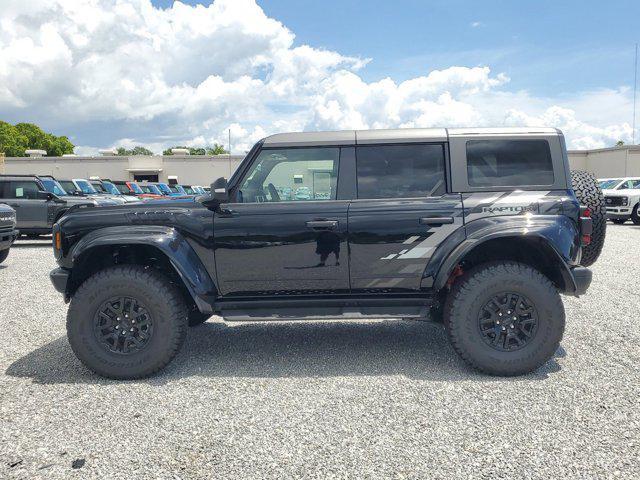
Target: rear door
(22, 195)
(401, 215)
(285, 231)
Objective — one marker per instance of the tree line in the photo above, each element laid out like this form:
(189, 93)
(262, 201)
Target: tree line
(16, 139)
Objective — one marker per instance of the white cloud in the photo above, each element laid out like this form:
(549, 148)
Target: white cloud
(476, 24)
(125, 72)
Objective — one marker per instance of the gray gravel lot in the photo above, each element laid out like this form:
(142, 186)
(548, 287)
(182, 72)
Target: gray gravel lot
(313, 399)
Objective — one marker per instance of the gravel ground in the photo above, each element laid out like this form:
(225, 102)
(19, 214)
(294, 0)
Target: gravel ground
(322, 399)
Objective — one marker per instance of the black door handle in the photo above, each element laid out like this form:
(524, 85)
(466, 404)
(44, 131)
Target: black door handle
(323, 224)
(436, 220)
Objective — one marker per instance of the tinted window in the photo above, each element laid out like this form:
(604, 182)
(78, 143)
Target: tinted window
(629, 184)
(294, 174)
(400, 171)
(509, 163)
(22, 190)
(69, 186)
(122, 187)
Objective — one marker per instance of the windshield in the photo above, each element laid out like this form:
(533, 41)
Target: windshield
(54, 187)
(110, 188)
(69, 186)
(609, 184)
(180, 189)
(135, 187)
(188, 190)
(86, 187)
(122, 188)
(164, 188)
(154, 189)
(98, 186)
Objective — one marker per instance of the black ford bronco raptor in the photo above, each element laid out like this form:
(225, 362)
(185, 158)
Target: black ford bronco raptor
(481, 227)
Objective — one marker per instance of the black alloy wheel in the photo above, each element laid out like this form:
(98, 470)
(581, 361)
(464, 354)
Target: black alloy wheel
(508, 322)
(123, 325)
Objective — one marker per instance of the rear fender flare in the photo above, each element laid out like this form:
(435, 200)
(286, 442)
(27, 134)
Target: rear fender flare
(556, 234)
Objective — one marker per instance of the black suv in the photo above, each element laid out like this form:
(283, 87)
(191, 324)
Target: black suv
(36, 208)
(482, 228)
(8, 232)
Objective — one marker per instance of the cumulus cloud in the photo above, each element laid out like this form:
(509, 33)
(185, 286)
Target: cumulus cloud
(126, 72)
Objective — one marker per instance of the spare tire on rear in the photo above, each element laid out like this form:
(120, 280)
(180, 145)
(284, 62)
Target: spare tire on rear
(589, 194)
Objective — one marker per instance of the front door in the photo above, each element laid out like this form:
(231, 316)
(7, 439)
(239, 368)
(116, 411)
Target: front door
(284, 232)
(22, 196)
(400, 217)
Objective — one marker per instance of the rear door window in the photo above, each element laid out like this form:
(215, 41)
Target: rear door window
(509, 163)
(400, 171)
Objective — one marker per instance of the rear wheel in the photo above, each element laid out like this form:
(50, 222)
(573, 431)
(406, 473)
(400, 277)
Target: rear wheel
(504, 318)
(589, 194)
(3, 255)
(126, 322)
(635, 218)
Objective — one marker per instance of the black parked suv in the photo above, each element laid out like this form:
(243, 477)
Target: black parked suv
(482, 227)
(36, 209)
(8, 232)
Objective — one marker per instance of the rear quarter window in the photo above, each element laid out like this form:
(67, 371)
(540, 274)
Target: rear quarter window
(509, 163)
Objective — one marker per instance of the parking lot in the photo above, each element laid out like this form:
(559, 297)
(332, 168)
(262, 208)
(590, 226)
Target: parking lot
(332, 399)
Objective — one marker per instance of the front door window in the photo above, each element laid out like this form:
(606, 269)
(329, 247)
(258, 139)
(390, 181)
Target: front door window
(293, 174)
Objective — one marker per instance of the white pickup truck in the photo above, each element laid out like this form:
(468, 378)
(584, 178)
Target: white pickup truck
(622, 197)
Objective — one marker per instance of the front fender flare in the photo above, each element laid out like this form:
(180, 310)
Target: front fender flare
(167, 240)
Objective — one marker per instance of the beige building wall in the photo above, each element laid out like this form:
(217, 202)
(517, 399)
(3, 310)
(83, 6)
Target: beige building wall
(189, 169)
(608, 162)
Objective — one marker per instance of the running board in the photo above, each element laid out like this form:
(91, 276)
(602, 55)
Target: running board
(324, 309)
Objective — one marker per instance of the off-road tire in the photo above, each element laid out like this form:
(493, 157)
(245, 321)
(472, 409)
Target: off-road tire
(635, 218)
(164, 302)
(474, 289)
(4, 254)
(589, 194)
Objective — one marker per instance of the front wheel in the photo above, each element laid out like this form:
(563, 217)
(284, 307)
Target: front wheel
(126, 322)
(635, 218)
(504, 318)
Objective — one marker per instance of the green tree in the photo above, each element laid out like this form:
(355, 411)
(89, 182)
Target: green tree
(15, 139)
(137, 150)
(619, 143)
(216, 150)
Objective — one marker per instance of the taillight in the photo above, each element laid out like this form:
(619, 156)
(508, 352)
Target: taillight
(586, 240)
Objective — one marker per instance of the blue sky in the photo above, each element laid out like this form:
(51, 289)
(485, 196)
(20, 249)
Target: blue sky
(548, 47)
(158, 73)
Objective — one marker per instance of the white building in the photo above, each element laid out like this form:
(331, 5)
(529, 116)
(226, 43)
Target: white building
(203, 169)
(187, 169)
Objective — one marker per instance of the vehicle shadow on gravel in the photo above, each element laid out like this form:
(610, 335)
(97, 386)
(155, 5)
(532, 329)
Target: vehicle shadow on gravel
(417, 350)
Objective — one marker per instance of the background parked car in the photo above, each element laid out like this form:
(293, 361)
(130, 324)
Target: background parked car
(132, 188)
(71, 188)
(104, 187)
(8, 232)
(36, 209)
(622, 199)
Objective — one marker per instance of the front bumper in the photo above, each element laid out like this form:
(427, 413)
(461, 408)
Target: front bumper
(582, 279)
(619, 212)
(60, 278)
(7, 239)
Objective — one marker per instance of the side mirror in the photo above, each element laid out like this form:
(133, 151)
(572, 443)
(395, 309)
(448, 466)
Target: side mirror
(218, 194)
(219, 190)
(44, 195)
